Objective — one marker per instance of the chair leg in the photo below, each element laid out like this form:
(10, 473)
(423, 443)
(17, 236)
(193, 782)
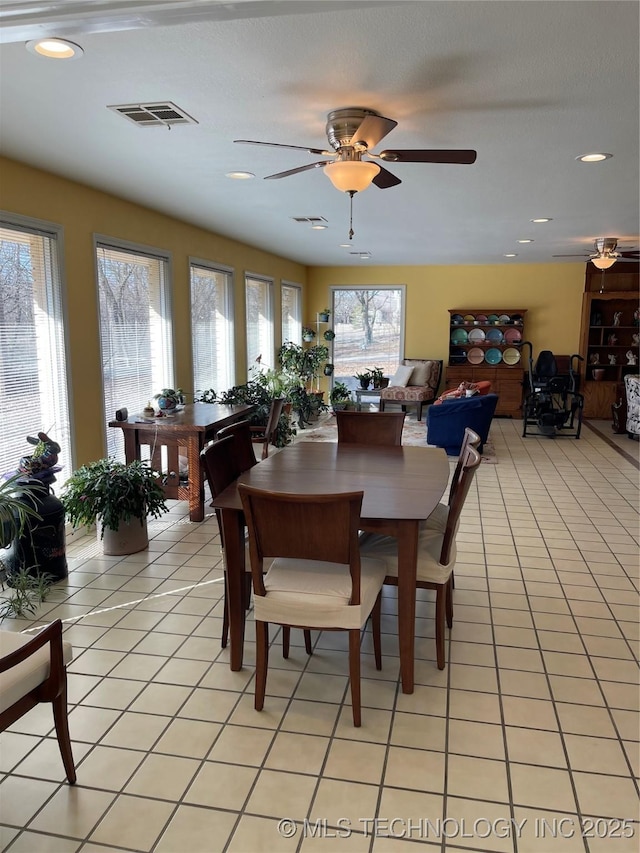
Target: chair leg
(307, 642)
(286, 641)
(440, 618)
(375, 630)
(225, 617)
(449, 602)
(419, 411)
(61, 720)
(262, 660)
(354, 674)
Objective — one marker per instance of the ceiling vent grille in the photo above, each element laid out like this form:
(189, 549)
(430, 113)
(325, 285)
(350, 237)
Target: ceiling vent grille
(363, 255)
(312, 220)
(159, 114)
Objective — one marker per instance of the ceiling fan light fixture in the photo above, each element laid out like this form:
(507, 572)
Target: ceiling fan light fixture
(351, 175)
(603, 262)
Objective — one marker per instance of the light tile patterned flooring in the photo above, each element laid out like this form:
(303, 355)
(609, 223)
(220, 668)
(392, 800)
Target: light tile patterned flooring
(534, 720)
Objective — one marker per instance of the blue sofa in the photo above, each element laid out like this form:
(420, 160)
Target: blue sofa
(447, 421)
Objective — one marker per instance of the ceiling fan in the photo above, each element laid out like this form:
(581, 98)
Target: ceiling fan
(606, 253)
(352, 133)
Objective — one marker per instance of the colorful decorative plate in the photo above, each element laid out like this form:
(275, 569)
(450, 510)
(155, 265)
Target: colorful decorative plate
(512, 336)
(468, 319)
(458, 336)
(511, 356)
(481, 318)
(457, 356)
(457, 319)
(494, 336)
(517, 319)
(476, 336)
(504, 319)
(493, 356)
(492, 318)
(475, 356)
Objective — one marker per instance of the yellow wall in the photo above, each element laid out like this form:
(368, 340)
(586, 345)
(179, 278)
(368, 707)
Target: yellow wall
(82, 212)
(551, 293)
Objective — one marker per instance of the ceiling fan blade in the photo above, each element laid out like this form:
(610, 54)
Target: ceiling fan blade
(428, 155)
(384, 179)
(281, 145)
(633, 255)
(583, 255)
(295, 171)
(372, 129)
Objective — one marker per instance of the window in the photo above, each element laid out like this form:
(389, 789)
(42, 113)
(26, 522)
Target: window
(369, 327)
(135, 330)
(259, 300)
(33, 377)
(212, 326)
(291, 313)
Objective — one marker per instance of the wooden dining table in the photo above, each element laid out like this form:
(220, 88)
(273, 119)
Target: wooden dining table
(190, 427)
(402, 486)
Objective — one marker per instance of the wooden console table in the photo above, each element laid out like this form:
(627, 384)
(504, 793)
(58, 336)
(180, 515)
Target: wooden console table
(191, 428)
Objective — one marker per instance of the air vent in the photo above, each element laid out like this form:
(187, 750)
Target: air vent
(363, 255)
(311, 220)
(164, 114)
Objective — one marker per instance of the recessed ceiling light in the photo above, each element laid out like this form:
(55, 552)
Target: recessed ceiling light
(542, 219)
(55, 48)
(511, 255)
(319, 227)
(240, 176)
(345, 245)
(594, 158)
(525, 241)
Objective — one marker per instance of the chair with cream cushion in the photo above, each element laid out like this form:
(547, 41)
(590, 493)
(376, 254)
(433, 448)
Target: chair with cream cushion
(381, 428)
(414, 383)
(436, 550)
(317, 579)
(33, 669)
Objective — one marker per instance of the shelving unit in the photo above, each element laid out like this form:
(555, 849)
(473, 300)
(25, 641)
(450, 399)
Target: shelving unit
(493, 326)
(321, 327)
(602, 338)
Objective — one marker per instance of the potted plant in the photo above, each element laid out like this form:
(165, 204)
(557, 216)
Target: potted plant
(14, 512)
(378, 378)
(119, 497)
(329, 335)
(308, 334)
(323, 316)
(339, 396)
(364, 379)
(169, 398)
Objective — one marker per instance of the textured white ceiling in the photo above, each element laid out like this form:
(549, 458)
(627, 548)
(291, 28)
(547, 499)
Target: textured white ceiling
(529, 85)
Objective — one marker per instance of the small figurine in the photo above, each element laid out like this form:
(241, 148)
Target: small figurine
(43, 461)
(635, 337)
(631, 357)
(612, 359)
(595, 358)
(612, 340)
(636, 317)
(617, 318)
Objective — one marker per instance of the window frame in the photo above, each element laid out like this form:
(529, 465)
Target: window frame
(163, 255)
(55, 232)
(229, 297)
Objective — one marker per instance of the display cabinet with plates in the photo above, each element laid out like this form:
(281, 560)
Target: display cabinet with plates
(484, 345)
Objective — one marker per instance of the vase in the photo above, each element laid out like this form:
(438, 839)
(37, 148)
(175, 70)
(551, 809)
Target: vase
(130, 537)
(167, 403)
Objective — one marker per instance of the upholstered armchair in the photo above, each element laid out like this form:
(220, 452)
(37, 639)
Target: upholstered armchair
(446, 423)
(632, 388)
(415, 383)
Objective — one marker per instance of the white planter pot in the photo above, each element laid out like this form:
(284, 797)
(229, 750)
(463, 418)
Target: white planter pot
(129, 538)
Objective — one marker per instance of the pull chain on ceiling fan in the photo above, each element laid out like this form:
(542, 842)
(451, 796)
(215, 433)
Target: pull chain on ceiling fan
(352, 132)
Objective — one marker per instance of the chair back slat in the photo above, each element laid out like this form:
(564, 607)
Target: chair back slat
(243, 446)
(277, 404)
(470, 438)
(382, 428)
(470, 463)
(305, 527)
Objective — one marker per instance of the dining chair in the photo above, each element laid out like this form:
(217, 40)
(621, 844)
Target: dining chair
(243, 445)
(221, 469)
(34, 670)
(382, 428)
(438, 518)
(436, 552)
(266, 435)
(317, 579)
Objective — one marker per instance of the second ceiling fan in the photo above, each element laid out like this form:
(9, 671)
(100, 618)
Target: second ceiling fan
(352, 133)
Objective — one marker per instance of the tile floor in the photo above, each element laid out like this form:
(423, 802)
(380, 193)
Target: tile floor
(527, 742)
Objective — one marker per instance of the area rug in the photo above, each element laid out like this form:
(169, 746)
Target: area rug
(413, 435)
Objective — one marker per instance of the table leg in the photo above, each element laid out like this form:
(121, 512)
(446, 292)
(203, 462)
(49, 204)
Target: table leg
(196, 483)
(131, 445)
(233, 539)
(407, 559)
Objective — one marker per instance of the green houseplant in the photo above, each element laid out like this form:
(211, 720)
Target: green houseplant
(364, 379)
(339, 396)
(308, 334)
(323, 316)
(120, 497)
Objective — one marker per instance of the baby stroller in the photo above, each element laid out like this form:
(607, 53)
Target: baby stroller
(552, 403)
